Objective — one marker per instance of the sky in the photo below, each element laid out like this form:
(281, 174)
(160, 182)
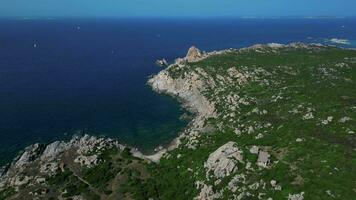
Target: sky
(176, 8)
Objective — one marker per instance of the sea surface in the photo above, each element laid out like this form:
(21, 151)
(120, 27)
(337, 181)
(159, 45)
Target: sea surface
(59, 77)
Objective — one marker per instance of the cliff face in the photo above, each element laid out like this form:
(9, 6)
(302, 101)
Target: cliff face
(188, 89)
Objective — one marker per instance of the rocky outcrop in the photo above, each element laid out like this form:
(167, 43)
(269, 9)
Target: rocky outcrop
(263, 159)
(47, 158)
(88, 144)
(194, 54)
(54, 149)
(207, 193)
(162, 63)
(87, 161)
(30, 154)
(223, 161)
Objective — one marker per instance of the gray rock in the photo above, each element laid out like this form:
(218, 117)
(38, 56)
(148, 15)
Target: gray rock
(88, 161)
(254, 149)
(206, 192)
(3, 170)
(223, 161)
(162, 62)
(263, 159)
(299, 196)
(31, 154)
(50, 168)
(194, 54)
(53, 150)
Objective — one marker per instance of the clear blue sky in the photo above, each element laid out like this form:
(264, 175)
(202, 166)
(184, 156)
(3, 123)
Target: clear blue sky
(175, 8)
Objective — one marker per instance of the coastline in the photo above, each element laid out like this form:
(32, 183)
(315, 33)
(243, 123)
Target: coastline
(155, 157)
(217, 93)
(164, 84)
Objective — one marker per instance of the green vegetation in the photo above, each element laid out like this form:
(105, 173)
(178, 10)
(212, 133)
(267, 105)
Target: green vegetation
(69, 183)
(301, 102)
(4, 194)
(100, 175)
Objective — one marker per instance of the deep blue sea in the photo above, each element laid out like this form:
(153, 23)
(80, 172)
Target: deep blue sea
(61, 76)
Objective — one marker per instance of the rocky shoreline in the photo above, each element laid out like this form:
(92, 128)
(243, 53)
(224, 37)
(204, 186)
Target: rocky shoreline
(235, 139)
(88, 148)
(188, 90)
(83, 150)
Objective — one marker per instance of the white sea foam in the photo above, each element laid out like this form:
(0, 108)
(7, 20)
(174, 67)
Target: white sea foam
(339, 41)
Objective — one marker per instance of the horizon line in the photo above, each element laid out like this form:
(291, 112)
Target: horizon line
(172, 17)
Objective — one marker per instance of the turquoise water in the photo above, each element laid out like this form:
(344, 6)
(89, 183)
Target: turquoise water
(58, 77)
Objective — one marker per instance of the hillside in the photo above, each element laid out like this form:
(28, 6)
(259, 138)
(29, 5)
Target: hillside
(270, 122)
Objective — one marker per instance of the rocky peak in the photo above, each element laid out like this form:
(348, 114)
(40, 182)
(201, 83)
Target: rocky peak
(194, 54)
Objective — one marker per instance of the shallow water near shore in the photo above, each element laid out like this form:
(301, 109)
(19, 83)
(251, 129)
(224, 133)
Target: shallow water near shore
(61, 76)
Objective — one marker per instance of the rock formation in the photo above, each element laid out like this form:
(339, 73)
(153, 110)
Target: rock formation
(162, 62)
(46, 159)
(194, 54)
(30, 154)
(223, 161)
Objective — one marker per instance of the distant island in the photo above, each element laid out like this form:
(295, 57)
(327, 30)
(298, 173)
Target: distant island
(270, 122)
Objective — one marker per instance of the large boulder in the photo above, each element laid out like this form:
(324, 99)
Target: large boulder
(223, 161)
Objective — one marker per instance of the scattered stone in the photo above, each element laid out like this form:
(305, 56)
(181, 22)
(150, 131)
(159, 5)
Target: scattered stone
(327, 120)
(248, 166)
(330, 193)
(88, 161)
(259, 136)
(77, 197)
(345, 119)
(237, 132)
(40, 180)
(233, 185)
(299, 140)
(254, 149)
(207, 193)
(308, 116)
(299, 196)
